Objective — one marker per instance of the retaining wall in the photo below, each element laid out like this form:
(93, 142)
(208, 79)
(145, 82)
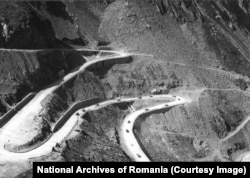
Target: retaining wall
(109, 62)
(7, 116)
(72, 110)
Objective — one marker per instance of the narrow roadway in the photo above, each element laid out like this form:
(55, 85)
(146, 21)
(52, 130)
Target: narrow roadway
(25, 117)
(19, 126)
(127, 137)
(129, 142)
(67, 128)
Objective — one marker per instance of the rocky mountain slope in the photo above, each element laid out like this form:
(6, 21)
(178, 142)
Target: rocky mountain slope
(200, 50)
(38, 25)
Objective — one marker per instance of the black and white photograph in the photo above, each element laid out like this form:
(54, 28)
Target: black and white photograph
(124, 81)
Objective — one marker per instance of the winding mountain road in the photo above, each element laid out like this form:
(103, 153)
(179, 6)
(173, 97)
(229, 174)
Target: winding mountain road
(25, 117)
(20, 125)
(127, 139)
(129, 143)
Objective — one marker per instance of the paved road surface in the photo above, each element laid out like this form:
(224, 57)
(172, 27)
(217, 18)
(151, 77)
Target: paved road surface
(127, 137)
(25, 117)
(69, 125)
(19, 126)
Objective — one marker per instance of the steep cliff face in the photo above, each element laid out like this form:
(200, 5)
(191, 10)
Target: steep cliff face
(49, 24)
(40, 25)
(85, 86)
(24, 72)
(225, 28)
(24, 27)
(33, 25)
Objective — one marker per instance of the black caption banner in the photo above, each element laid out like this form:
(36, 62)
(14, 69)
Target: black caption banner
(80, 169)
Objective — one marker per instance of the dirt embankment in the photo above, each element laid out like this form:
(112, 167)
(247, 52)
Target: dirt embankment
(84, 86)
(98, 139)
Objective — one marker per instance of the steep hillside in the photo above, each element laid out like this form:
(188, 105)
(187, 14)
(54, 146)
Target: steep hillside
(201, 50)
(38, 25)
(24, 72)
(196, 49)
